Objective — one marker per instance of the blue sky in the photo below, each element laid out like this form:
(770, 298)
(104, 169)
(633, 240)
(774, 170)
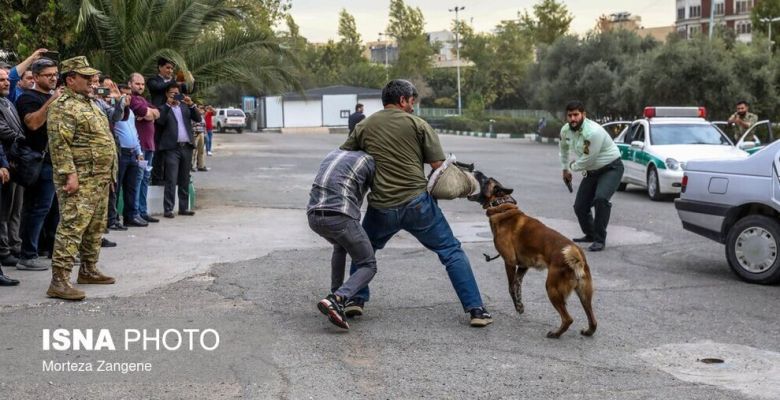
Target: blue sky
(318, 19)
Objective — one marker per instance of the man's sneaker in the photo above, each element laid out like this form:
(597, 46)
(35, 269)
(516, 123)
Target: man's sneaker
(584, 239)
(33, 264)
(331, 307)
(9, 260)
(480, 317)
(353, 308)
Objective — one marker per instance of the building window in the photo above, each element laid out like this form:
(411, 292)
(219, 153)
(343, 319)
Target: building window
(681, 13)
(695, 11)
(720, 8)
(743, 6)
(694, 30)
(744, 27)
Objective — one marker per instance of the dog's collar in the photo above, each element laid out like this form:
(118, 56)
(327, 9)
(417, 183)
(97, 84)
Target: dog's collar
(501, 200)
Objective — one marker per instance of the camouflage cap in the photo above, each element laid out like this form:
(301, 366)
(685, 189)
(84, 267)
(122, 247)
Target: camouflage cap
(79, 65)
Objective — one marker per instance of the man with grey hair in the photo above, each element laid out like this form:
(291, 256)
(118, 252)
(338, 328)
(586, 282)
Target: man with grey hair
(10, 126)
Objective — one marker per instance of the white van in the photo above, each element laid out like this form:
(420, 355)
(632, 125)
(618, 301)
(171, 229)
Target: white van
(229, 118)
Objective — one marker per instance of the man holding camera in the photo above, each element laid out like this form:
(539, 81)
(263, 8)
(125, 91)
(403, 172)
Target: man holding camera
(743, 119)
(83, 154)
(174, 143)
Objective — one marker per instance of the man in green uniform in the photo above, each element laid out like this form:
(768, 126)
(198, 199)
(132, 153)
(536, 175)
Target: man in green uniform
(84, 157)
(598, 158)
(743, 119)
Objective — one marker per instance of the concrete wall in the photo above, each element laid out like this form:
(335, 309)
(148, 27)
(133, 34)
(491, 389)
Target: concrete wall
(299, 113)
(274, 112)
(334, 105)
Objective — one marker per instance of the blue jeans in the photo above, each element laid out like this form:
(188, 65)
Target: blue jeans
(38, 199)
(423, 218)
(143, 184)
(209, 134)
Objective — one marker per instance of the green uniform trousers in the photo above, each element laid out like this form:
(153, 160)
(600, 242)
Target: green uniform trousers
(82, 221)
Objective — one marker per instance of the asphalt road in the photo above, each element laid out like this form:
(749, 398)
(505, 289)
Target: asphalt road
(248, 268)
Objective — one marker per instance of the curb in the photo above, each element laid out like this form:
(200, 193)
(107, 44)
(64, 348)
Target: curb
(531, 137)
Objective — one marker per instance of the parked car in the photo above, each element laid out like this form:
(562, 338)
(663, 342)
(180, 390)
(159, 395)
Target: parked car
(656, 148)
(737, 203)
(229, 118)
(754, 139)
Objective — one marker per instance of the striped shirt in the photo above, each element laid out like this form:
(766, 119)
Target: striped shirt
(342, 182)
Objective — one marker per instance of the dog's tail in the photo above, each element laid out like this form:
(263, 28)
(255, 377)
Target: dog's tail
(575, 259)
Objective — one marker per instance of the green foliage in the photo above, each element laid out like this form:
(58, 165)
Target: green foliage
(208, 39)
(766, 9)
(407, 26)
(550, 21)
(27, 25)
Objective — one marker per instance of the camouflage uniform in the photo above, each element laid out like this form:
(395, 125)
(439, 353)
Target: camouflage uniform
(80, 142)
(751, 119)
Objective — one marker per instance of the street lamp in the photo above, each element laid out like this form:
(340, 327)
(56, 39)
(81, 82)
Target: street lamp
(385, 42)
(770, 21)
(457, 52)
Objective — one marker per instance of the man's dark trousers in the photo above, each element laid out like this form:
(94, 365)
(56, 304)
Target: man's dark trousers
(595, 191)
(38, 199)
(11, 200)
(127, 178)
(177, 163)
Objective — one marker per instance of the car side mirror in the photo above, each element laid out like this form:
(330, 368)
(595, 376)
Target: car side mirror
(638, 144)
(747, 145)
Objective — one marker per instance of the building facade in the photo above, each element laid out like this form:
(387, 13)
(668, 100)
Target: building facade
(693, 17)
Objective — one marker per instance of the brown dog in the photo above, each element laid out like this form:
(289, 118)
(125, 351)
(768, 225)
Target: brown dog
(524, 242)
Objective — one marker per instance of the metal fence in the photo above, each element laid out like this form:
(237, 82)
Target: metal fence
(443, 112)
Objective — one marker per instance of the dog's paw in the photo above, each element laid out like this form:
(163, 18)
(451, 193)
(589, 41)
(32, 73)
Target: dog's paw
(520, 308)
(587, 332)
(553, 335)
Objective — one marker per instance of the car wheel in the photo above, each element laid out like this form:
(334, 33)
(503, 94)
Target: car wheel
(653, 187)
(239, 130)
(752, 248)
(622, 187)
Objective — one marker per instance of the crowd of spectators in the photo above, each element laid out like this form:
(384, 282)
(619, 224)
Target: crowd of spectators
(161, 137)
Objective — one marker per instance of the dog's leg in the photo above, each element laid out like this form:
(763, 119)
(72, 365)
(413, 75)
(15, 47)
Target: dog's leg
(584, 291)
(510, 278)
(558, 288)
(518, 288)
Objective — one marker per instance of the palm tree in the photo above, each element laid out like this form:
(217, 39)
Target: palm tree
(206, 39)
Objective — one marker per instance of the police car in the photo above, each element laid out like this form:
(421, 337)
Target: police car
(656, 148)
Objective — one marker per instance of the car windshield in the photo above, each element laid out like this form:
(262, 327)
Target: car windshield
(687, 134)
(235, 113)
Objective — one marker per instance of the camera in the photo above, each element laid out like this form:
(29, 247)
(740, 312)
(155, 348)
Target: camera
(102, 91)
(178, 97)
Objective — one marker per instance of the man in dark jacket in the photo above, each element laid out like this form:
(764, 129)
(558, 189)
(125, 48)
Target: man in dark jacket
(158, 83)
(356, 117)
(174, 143)
(10, 130)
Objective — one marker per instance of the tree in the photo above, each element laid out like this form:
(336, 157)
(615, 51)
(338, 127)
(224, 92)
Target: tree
(350, 43)
(550, 21)
(26, 25)
(407, 26)
(121, 37)
(766, 9)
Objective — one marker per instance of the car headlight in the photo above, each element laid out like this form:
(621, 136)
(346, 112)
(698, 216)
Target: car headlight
(673, 164)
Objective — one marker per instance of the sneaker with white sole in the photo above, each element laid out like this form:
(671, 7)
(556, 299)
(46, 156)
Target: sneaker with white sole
(334, 310)
(353, 308)
(480, 317)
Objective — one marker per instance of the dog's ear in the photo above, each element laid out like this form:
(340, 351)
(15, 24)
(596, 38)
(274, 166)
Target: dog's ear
(500, 190)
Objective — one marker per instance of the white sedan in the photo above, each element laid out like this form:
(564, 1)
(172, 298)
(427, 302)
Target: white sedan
(656, 148)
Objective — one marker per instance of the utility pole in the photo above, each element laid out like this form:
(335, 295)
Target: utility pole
(387, 73)
(712, 17)
(770, 21)
(457, 52)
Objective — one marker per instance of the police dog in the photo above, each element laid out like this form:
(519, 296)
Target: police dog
(524, 242)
